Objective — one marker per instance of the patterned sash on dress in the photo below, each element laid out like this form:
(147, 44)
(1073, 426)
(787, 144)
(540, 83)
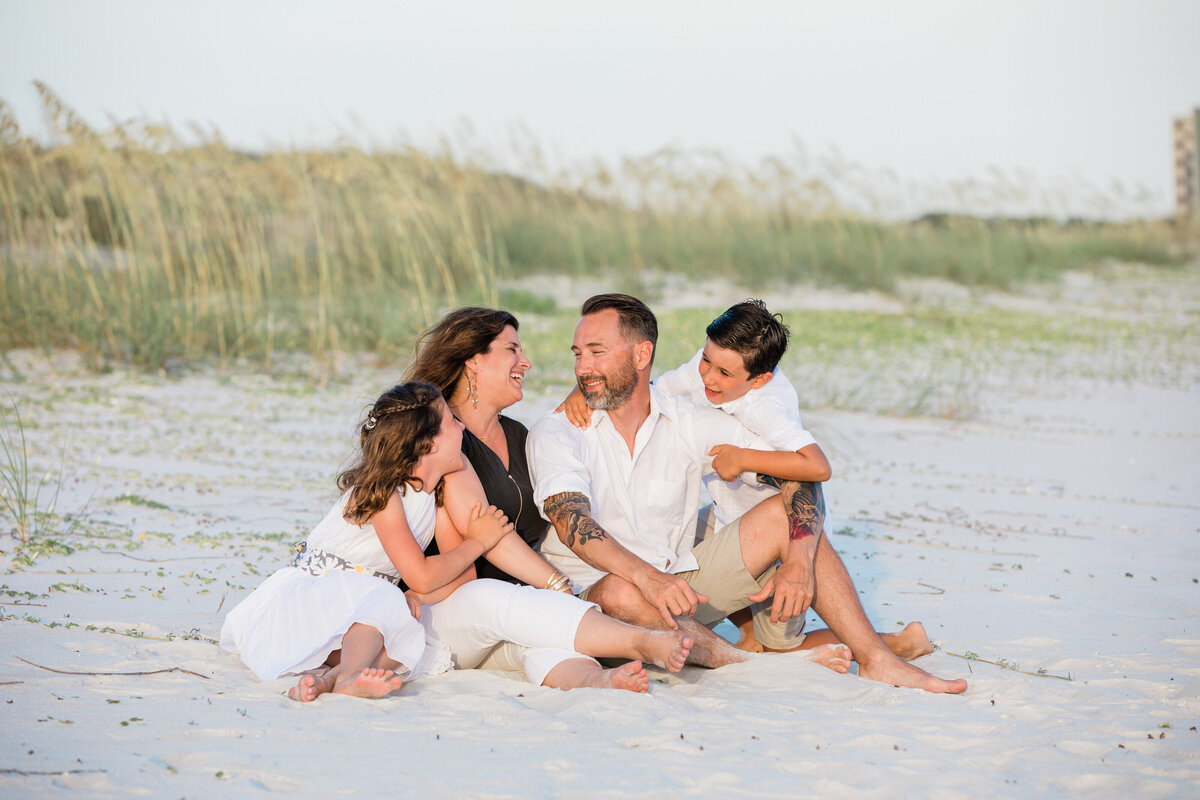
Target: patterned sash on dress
(320, 562)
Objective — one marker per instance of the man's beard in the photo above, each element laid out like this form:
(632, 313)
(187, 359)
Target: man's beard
(617, 391)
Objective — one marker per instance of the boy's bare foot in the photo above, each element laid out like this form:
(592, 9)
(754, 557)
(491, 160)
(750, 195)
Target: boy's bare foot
(309, 688)
(912, 642)
(832, 656)
(631, 677)
(747, 641)
(900, 673)
(667, 649)
(371, 682)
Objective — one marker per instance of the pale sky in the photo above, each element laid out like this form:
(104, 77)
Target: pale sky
(1082, 92)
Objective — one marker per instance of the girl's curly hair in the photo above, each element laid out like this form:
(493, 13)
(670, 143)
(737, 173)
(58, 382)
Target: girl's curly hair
(399, 429)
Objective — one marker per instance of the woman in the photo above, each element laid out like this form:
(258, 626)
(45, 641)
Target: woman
(474, 355)
(335, 615)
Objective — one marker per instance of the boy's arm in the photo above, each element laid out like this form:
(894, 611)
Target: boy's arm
(576, 408)
(571, 515)
(806, 464)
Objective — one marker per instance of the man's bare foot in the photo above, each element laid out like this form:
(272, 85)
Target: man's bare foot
(900, 673)
(912, 642)
(371, 682)
(832, 656)
(667, 649)
(309, 687)
(631, 677)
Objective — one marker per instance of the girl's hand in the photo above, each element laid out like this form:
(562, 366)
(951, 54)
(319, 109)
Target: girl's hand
(488, 526)
(414, 604)
(727, 461)
(578, 413)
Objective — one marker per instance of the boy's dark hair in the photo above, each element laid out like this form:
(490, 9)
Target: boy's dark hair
(638, 323)
(750, 329)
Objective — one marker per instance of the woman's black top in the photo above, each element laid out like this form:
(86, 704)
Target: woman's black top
(509, 490)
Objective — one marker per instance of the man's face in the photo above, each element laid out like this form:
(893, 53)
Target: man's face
(605, 366)
(724, 374)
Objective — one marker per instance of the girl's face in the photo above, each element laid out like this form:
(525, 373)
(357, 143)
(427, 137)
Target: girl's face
(446, 455)
(500, 372)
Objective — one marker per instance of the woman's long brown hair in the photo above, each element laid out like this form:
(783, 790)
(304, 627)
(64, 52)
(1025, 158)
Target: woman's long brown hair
(443, 350)
(399, 429)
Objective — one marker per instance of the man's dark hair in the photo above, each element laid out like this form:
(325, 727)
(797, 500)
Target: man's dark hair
(637, 321)
(750, 329)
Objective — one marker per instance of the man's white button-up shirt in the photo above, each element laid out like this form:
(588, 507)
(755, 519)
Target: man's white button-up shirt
(647, 501)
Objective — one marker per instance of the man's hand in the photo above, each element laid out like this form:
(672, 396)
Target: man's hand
(792, 584)
(727, 461)
(670, 594)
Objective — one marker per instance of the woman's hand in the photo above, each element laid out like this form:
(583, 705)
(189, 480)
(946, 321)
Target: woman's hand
(487, 526)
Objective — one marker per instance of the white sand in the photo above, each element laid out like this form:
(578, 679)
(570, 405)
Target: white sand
(1057, 534)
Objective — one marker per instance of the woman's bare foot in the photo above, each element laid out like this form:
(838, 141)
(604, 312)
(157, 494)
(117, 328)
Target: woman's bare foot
(900, 673)
(912, 642)
(667, 649)
(832, 656)
(371, 682)
(631, 677)
(309, 687)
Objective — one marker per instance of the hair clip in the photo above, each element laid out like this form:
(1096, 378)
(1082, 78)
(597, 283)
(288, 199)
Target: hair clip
(370, 422)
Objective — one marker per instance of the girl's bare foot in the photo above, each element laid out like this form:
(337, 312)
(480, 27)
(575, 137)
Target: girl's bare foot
(667, 649)
(912, 642)
(631, 677)
(309, 687)
(900, 673)
(371, 682)
(832, 656)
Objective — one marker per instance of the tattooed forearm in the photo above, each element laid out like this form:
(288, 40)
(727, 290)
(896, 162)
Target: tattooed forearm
(571, 515)
(804, 503)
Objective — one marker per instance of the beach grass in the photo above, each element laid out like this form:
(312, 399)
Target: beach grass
(138, 245)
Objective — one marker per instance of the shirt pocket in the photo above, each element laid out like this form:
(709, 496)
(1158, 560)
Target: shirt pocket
(665, 502)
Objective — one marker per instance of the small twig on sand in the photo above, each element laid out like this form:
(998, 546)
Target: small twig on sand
(19, 603)
(222, 604)
(148, 672)
(969, 656)
(936, 589)
(26, 772)
(10, 683)
(159, 560)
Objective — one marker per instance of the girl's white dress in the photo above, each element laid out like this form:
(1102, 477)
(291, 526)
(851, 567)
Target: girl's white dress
(297, 616)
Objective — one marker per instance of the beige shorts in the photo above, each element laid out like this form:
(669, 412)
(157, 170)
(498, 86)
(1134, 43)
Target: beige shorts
(783, 635)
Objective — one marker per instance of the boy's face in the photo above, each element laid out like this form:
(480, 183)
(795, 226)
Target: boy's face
(724, 374)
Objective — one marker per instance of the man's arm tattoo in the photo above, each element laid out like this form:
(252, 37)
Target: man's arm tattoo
(572, 512)
(804, 504)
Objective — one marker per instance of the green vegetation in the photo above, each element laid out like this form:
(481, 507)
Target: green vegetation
(136, 246)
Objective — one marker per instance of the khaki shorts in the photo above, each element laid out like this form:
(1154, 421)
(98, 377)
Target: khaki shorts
(778, 636)
(723, 577)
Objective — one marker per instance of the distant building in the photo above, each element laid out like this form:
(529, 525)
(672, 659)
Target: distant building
(1187, 167)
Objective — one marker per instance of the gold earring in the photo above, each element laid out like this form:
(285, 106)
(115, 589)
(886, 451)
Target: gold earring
(471, 390)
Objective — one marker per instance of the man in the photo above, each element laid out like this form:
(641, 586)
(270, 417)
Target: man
(623, 497)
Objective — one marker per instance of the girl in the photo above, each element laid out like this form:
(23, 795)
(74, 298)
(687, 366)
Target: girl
(336, 616)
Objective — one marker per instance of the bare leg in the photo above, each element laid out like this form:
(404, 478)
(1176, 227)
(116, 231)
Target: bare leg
(621, 600)
(363, 669)
(912, 642)
(744, 621)
(836, 601)
(579, 673)
(603, 636)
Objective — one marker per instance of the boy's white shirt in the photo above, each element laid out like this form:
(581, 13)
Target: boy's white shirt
(771, 412)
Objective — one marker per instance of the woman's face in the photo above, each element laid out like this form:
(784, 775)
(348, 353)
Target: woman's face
(500, 371)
